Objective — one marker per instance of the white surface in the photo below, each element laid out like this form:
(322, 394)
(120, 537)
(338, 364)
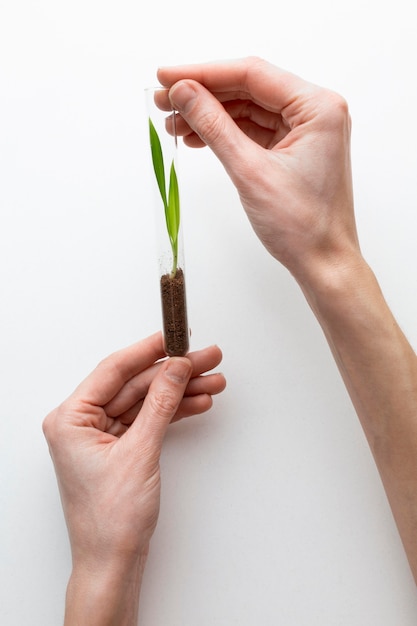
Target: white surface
(272, 510)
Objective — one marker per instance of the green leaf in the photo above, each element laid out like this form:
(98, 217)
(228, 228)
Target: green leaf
(171, 201)
(173, 214)
(158, 162)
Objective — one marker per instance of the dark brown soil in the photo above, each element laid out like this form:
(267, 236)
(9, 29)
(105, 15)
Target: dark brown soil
(174, 314)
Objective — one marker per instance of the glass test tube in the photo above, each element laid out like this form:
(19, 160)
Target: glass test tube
(169, 231)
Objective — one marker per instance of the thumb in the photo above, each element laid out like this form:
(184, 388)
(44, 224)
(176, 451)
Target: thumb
(161, 403)
(207, 117)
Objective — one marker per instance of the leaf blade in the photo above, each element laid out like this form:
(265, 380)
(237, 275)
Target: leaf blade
(158, 162)
(173, 214)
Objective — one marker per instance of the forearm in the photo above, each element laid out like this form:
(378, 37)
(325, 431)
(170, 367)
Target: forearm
(104, 596)
(379, 368)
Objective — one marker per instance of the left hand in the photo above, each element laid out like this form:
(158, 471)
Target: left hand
(105, 441)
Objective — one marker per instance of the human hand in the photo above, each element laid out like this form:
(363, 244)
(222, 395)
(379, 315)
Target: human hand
(285, 144)
(105, 441)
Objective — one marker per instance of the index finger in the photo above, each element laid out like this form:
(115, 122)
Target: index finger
(111, 374)
(252, 78)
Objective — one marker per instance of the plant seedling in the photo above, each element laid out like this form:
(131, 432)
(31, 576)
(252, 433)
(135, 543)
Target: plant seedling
(170, 197)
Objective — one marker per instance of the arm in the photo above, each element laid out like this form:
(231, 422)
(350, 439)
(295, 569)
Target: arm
(285, 143)
(105, 441)
(379, 369)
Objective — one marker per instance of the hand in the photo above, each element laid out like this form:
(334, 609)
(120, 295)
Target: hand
(284, 143)
(105, 441)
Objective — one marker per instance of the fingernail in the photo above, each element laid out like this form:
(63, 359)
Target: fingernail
(182, 96)
(178, 369)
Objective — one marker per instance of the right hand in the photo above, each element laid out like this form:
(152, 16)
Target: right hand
(285, 144)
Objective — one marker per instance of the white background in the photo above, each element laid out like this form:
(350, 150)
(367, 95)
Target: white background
(272, 510)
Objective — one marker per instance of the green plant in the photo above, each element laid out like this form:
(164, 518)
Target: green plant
(170, 197)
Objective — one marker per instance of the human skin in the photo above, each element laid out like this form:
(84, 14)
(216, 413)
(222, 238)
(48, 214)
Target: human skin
(105, 441)
(285, 143)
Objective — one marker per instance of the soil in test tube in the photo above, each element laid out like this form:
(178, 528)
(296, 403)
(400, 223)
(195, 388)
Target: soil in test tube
(174, 314)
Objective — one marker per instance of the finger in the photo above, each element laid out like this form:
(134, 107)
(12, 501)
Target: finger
(193, 406)
(208, 119)
(252, 78)
(209, 385)
(160, 405)
(137, 387)
(189, 406)
(265, 128)
(116, 370)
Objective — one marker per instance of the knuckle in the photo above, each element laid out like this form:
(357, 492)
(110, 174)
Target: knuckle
(110, 366)
(48, 425)
(253, 62)
(50, 430)
(53, 426)
(163, 402)
(336, 107)
(212, 127)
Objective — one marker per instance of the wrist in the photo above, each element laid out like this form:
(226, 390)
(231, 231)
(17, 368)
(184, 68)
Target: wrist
(336, 287)
(104, 593)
